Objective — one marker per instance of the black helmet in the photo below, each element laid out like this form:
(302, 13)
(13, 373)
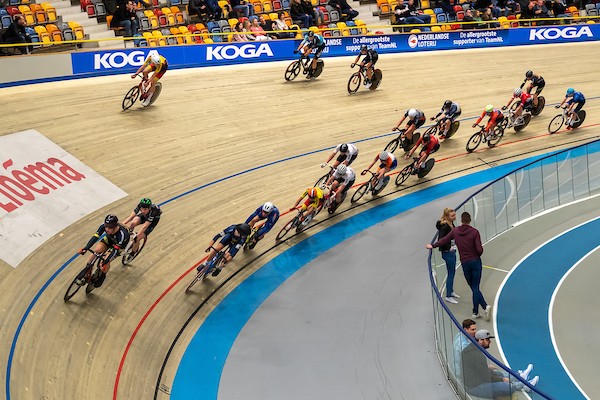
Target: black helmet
(311, 34)
(243, 229)
(111, 221)
(448, 104)
(529, 74)
(343, 147)
(426, 138)
(363, 48)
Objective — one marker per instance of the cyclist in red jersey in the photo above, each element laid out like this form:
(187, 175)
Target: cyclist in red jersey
(525, 102)
(430, 143)
(495, 115)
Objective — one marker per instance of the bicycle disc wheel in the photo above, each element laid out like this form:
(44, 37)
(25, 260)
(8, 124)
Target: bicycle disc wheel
(474, 141)
(541, 103)
(157, 90)
(526, 119)
(556, 123)
(287, 227)
(384, 183)
(392, 146)
(496, 138)
(581, 115)
(354, 82)
(453, 128)
(292, 71)
(360, 192)
(428, 167)
(131, 97)
(304, 224)
(403, 175)
(376, 79)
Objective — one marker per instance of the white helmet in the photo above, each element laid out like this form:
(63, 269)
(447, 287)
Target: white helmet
(267, 207)
(412, 113)
(383, 155)
(517, 92)
(341, 169)
(154, 58)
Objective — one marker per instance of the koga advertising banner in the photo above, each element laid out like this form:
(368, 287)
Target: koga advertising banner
(554, 34)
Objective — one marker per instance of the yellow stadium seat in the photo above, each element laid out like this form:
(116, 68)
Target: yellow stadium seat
(50, 12)
(233, 22)
(77, 30)
(424, 4)
(152, 18)
(428, 11)
(54, 32)
(175, 31)
(361, 26)
(267, 6)
(179, 18)
(504, 22)
(343, 28)
(415, 30)
(29, 18)
(273, 16)
(208, 41)
(43, 34)
(162, 41)
(152, 41)
(257, 6)
(436, 29)
(189, 39)
(39, 13)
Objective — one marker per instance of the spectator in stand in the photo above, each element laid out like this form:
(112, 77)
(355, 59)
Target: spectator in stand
(216, 13)
(297, 12)
(282, 26)
(16, 33)
(247, 27)
(227, 12)
(257, 30)
(506, 7)
(199, 8)
(460, 343)
(243, 7)
(448, 7)
(268, 26)
(238, 35)
(317, 13)
(529, 11)
(470, 250)
(407, 13)
(125, 17)
(445, 225)
(484, 5)
(483, 380)
(488, 17)
(343, 7)
(559, 10)
(541, 11)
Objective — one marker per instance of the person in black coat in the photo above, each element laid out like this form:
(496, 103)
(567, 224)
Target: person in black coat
(16, 33)
(344, 8)
(125, 17)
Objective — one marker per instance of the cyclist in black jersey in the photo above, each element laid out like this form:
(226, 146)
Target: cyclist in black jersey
(536, 81)
(146, 213)
(368, 62)
(116, 238)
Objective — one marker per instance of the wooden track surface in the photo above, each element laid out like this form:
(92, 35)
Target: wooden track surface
(208, 124)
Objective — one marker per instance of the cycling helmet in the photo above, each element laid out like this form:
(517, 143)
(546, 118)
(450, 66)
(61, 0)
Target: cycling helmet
(111, 221)
(267, 207)
(426, 138)
(447, 104)
(243, 229)
(570, 91)
(145, 203)
(310, 34)
(363, 48)
(384, 155)
(343, 147)
(312, 193)
(517, 92)
(341, 169)
(489, 108)
(412, 113)
(529, 74)
(155, 58)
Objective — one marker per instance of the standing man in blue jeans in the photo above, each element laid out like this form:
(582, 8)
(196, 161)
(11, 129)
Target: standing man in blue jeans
(469, 245)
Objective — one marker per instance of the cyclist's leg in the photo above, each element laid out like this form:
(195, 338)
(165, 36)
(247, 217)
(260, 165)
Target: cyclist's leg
(369, 69)
(408, 133)
(351, 160)
(143, 233)
(447, 123)
(134, 222)
(100, 247)
(519, 110)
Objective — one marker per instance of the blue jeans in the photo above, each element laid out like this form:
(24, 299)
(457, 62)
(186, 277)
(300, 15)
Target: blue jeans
(421, 19)
(472, 270)
(131, 27)
(495, 389)
(305, 19)
(247, 10)
(450, 258)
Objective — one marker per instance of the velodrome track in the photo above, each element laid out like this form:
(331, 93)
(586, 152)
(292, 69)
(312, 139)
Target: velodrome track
(209, 124)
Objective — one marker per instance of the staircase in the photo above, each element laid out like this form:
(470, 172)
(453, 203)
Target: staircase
(91, 27)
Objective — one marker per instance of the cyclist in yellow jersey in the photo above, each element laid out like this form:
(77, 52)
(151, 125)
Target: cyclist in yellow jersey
(314, 199)
(154, 63)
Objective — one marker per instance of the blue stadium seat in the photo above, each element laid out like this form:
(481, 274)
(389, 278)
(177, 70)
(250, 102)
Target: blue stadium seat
(353, 29)
(285, 4)
(175, 2)
(441, 17)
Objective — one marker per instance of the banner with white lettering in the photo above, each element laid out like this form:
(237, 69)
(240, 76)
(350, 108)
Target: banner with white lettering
(44, 189)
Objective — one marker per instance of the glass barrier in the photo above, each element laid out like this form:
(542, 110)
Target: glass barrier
(552, 181)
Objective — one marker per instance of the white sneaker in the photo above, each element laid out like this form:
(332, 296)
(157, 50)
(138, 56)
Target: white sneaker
(525, 374)
(455, 295)
(532, 382)
(487, 312)
(475, 316)
(146, 102)
(451, 300)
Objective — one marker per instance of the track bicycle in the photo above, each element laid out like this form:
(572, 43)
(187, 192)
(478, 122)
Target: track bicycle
(134, 93)
(320, 183)
(373, 185)
(492, 139)
(361, 76)
(517, 123)
(300, 221)
(412, 169)
(535, 110)
(128, 255)
(252, 239)
(574, 119)
(304, 63)
(88, 276)
(218, 261)
(402, 141)
(438, 127)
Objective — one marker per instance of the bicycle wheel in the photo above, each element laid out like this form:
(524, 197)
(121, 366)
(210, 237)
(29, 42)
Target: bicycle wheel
(523, 125)
(292, 71)
(360, 192)
(131, 97)
(393, 145)
(74, 287)
(386, 180)
(286, 228)
(376, 79)
(474, 141)
(581, 115)
(318, 69)
(302, 225)
(428, 167)
(198, 278)
(515, 105)
(432, 130)
(90, 286)
(403, 175)
(408, 144)
(556, 123)
(354, 82)
(322, 180)
(129, 257)
(496, 137)
(453, 128)
(157, 90)
(541, 103)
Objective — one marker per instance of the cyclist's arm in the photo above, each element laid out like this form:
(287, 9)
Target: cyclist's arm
(523, 84)
(438, 114)
(401, 121)
(269, 223)
(509, 101)
(94, 238)
(479, 119)
(128, 219)
(373, 163)
(357, 58)
(410, 153)
(144, 227)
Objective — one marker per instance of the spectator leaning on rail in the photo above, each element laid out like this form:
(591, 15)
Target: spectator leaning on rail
(16, 33)
(125, 17)
(445, 225)
(487, 381)
(470, 249)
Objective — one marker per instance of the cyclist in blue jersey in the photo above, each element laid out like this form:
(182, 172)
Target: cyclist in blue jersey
(448, 113)
(267, 211)
(234, 235)
(575, 101)
(311, 41)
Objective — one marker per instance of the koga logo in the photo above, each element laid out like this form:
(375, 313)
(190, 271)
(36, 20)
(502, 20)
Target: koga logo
(232, 52)
(119, 59)
(558, 33)
(413, 41)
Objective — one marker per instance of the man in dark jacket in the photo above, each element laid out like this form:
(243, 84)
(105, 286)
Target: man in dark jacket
(126, 18)
(469, 245)
(16, 33)
(344, 8)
